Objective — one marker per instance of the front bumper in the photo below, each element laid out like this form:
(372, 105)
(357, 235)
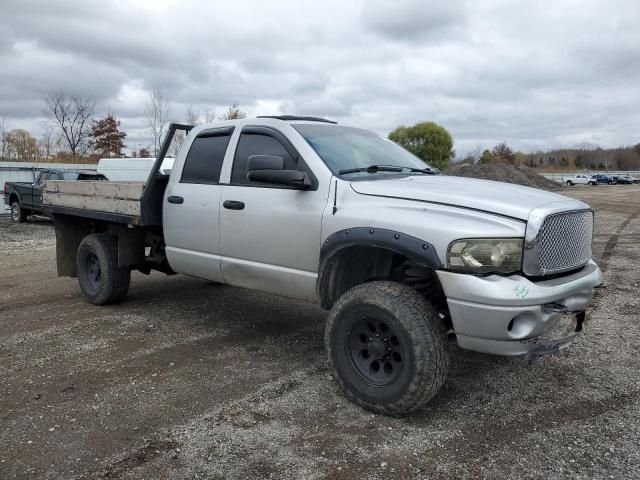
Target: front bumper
(507, 315)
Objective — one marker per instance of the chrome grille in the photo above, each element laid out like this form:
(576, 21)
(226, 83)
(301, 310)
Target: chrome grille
(563, 242)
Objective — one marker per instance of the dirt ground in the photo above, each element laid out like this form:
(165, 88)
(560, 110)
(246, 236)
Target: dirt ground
(189, 379)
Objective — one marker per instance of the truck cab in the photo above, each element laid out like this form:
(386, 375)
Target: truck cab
(403, 259)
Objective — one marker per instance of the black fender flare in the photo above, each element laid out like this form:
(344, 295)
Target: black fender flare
(419, 251)
(15, 195)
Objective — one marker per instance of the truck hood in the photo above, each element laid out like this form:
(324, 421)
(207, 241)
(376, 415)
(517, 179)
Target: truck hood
(498, 198)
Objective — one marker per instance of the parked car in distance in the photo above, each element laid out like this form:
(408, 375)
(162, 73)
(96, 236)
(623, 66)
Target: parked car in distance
(25, 198)
(579, 179)
(600, 179)
(625, 179)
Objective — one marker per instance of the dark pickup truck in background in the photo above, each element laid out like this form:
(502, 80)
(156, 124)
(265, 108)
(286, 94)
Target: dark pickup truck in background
(25, 198)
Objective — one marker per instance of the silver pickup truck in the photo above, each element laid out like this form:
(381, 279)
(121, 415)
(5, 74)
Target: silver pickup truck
(403, 258)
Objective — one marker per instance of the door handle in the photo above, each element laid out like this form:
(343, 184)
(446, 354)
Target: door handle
(233, 205)
(175, 199)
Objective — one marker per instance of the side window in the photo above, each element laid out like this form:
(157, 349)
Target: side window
(205, 157)
(257, 144)
(44, 176)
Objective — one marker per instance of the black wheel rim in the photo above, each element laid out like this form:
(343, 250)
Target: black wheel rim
(376, 351)
(93, 272)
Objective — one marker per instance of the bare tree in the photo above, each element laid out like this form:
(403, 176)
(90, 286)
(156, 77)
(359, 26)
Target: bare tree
(157, 112)
(3, 138)
(72, 115)
(234, 113)
(46, 142)
(193, 116)
(209, 116)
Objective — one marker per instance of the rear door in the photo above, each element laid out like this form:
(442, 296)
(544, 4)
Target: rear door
(35, 193)
(270, 235)
(192, 205)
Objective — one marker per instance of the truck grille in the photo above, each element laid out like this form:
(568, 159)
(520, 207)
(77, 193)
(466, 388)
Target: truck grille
(563, 243)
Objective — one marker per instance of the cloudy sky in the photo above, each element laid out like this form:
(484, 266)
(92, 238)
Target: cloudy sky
(536, 74)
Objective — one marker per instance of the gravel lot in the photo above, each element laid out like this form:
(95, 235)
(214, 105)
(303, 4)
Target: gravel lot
(188, 379)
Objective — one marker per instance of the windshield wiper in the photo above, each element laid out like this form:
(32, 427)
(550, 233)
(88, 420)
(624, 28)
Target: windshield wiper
(388, 168)
(372, 169)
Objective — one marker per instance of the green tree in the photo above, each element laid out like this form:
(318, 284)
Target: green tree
(486, 157)
(20, 145)
(427, 141)
(108, 140)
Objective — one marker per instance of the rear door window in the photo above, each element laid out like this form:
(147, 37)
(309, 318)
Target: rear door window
(205, 157)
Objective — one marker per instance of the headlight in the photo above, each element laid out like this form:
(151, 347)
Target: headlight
(485, 255)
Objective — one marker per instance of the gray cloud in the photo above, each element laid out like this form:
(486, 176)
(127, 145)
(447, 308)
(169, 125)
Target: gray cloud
(414, 20)
(536, 75)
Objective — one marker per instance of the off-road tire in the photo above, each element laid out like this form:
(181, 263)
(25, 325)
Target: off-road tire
(111, 284)
(569, 183)
(18, 215)
(418, 327)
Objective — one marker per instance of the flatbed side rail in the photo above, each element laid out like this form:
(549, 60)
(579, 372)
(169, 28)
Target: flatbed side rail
(151, 201)
(52, 210)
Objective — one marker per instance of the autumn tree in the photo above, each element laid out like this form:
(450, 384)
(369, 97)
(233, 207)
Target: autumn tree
(20, 145)
(72, 116)
(107, 138)
(157, 113)
(427, 141)
(503, 153)
(234, 113)
(143, 153)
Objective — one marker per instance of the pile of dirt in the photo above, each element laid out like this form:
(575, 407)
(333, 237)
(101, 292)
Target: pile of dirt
(519, 175)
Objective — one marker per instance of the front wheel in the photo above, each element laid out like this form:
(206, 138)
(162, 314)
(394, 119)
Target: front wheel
(387, 347)
(18, 215)
(100, 279)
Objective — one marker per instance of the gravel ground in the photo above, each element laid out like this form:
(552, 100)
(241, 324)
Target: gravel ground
(189, 379)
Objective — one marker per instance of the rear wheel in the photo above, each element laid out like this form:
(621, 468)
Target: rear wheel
(18, 215)
(387, 347)
(99, 277)
(569, 183)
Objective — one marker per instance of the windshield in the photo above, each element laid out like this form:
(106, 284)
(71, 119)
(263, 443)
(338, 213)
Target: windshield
(346, 148)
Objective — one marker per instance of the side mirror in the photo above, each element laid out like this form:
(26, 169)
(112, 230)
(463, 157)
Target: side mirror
(265, 162)
(270, 169)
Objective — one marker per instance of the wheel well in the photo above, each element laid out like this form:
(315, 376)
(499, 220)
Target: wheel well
(14, 198)
(351, 266)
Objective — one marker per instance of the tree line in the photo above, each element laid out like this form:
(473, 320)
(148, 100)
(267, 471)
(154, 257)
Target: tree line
(72, 133)
(582, 157)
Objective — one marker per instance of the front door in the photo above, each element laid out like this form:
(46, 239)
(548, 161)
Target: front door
(192, 206)
(270, 235)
